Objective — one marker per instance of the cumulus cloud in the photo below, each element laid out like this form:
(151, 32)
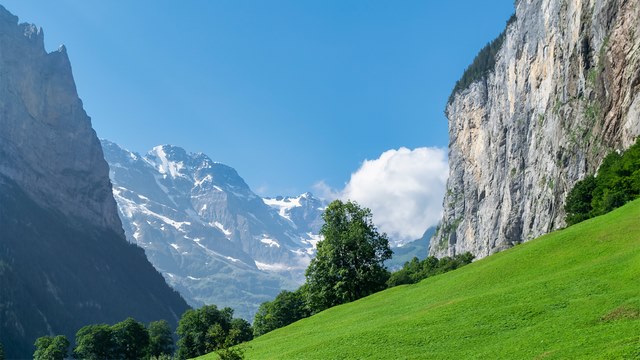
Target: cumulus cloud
(403, 188)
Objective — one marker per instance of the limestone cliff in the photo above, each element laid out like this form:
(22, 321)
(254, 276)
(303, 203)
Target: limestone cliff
(47, 144)
(64, 260)
(564, 91)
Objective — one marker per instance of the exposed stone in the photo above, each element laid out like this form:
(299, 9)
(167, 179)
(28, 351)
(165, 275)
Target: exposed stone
(564, 92)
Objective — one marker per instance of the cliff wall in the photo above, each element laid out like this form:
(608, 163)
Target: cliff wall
(565, 91)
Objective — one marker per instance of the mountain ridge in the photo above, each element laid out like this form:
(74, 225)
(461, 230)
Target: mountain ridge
(206, 231)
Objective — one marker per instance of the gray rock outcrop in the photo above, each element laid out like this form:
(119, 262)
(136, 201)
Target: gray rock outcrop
(564, 92)
(64, 259)
(48, 146)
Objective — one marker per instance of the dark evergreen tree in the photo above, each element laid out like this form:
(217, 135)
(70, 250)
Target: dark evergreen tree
(349, 260)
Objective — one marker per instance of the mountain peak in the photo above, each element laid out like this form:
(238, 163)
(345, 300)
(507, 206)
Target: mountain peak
(199, 222)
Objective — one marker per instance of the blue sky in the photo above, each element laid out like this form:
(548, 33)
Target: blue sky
(287, 92)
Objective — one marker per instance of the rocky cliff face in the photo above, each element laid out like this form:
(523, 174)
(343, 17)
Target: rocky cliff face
(64, 260)
(48, 145)
(564, 92)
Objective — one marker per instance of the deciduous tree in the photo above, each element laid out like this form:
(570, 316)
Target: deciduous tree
(51, 348)
(349, 260)
(160, 340)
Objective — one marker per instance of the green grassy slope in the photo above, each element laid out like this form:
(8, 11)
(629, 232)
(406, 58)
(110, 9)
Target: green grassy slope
(574, 293)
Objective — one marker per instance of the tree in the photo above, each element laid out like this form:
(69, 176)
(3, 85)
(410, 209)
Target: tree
(130, 338)
(1, 352)
(51, 348)
(94, 342)
(286, 308)
(160, 340)
(240, 331)
(617, 182)
(578, 205)
(349, 260)
(203, 330)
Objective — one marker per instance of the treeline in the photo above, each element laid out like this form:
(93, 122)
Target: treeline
(616, 183)
(415, 270)
(200, 331)
(348, 266)
(482, 64)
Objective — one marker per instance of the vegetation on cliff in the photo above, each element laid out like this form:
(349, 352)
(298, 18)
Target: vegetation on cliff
(616, 183)
(482, 64)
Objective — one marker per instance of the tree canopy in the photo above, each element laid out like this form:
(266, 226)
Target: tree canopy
(51, 348)
(349, 260)
(94, 342)
(131, 339)
(160, 340)
(286, 308)
(209, 329)
(616, 183)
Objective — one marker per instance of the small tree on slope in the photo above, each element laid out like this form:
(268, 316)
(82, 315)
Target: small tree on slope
(349, 261)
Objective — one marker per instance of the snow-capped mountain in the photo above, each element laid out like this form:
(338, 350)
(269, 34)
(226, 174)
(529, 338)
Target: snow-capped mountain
(203, 228)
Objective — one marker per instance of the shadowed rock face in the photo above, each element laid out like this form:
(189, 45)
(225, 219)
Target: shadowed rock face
(64, 260)
(47, 143)
(565, 91)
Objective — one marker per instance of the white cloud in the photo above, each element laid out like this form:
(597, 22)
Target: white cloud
(403, 188)
(325, 192)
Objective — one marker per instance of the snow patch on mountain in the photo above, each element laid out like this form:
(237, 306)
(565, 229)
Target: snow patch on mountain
(203, 228)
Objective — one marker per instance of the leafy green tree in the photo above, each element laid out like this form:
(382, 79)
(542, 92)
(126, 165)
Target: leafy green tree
(160, 340)
(130, 338)
(286, 308)
(617, 182)
(349, 260)
(240, 331)
(1, 352)
(203, 330)
(51, 348)
(95, 342)
(578, 205)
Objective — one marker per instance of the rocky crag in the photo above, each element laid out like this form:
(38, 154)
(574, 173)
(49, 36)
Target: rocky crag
(563, 91)
(64, 259)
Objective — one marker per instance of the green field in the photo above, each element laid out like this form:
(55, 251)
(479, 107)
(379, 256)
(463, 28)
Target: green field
(574, 293)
